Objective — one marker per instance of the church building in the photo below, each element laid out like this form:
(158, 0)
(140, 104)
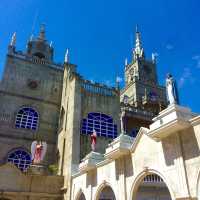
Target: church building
(145, 149)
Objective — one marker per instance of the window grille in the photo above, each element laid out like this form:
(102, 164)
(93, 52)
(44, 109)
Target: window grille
(20, 158)
(101, 123)
(27, 118)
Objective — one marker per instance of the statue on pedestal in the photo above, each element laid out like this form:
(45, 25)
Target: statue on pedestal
(172, 94)
(123, 122)
(38, 151)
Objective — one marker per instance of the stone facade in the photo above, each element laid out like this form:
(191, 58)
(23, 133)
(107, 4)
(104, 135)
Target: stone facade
(173, 156)
(29, 82)
(45, 101)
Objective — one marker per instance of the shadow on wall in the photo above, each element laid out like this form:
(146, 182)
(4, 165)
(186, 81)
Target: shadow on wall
(182, 143)
(91, 179)
(128, 167)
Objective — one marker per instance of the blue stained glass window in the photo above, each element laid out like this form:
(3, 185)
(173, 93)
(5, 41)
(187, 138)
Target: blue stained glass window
(103, 125)
(20, 158)
(27, 118)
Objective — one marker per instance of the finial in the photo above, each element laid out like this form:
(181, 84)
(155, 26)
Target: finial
(118, 80)
(126, 62)
(136, 28)
(51, 44)
(13, 39)
(42, 32)
(154, 57)
(67, 56)
(31, 38)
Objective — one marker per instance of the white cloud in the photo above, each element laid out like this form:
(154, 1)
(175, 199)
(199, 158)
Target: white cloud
(197, 59)
(186, 75)
(169, 46)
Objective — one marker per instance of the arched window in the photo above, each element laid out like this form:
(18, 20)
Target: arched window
(27, 118)
(101, 123)
(20, 158)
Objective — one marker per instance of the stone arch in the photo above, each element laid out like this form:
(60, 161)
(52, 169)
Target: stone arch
(102, 187)
(139, 178)
(80, 195)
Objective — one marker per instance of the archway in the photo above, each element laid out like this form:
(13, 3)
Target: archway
(106, 194)
(152, 187)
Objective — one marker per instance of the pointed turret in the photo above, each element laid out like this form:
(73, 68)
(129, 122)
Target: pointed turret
(42, 32)
(138, 51)
(154, 57)
(31, 38)
(11, 46)
(13, 39)
(67, 56)
(39, 46)
(126, 62)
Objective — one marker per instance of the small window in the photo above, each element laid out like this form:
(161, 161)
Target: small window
(27, 118)
(20, 158)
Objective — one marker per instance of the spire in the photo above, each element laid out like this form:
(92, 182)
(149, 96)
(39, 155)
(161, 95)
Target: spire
(51, 44)
(42, 32)
(118, 80)
(138, 51)
(154, 57)
(13, 39)
(31, 38)
(67, 56)
(126, 62)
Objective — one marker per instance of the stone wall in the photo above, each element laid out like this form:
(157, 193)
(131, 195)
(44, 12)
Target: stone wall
(27, 84)
(175, 158)
(22, 186)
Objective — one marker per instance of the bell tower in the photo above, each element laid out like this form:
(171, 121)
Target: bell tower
(39, 46)
(142, 95)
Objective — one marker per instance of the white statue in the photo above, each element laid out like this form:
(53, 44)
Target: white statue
(172, 95)
(38, 151)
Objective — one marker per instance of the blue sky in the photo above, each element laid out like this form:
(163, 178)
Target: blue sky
(100, 35)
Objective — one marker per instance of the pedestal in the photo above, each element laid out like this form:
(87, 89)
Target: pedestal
(120, 146)
(90, 161)
(37, 169)
(173, 119)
